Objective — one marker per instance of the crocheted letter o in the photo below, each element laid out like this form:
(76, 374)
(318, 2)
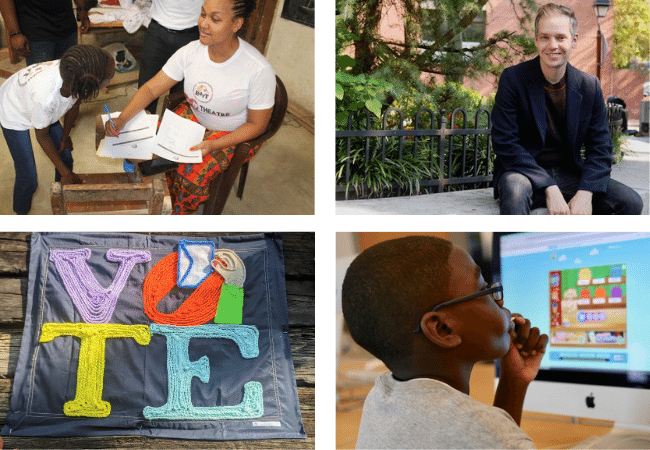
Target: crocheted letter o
(199, 308)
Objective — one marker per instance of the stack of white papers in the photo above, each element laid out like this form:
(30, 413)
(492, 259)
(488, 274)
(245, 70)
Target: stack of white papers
(135, 140)
(138, 139)
(175, 138)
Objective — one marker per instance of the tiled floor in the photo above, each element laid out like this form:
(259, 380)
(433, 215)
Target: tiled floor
(280, 178)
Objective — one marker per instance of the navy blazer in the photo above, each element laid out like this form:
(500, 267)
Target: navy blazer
(519, 126)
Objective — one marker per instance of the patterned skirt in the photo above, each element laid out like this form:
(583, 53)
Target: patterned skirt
(189, 186)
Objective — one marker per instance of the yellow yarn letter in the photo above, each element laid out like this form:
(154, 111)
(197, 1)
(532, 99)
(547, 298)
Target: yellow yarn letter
(92, 356)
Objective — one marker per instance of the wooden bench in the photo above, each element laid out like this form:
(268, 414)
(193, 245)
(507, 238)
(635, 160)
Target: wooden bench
(299, 275)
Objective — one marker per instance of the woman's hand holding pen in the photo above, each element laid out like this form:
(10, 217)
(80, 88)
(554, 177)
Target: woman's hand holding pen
(113, 130)
(527, 348)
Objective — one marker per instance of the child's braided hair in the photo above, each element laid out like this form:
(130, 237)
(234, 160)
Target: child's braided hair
(83, 68)
(243, 8)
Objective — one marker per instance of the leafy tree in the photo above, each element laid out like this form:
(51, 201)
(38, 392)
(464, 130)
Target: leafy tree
(631, 37)
(432, 38)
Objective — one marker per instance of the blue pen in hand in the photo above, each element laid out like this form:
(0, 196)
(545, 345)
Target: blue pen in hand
(109, 118)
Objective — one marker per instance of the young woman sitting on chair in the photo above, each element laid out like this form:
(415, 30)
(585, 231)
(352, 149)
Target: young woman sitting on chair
(229, 89)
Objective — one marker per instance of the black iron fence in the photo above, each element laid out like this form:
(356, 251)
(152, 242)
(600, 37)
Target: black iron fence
(445, 151)
(434, 152)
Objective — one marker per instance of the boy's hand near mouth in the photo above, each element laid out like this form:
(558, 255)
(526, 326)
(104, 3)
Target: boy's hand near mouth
(519, 366)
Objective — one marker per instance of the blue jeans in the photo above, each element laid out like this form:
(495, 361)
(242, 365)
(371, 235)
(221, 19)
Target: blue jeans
(42, 51)
(517, 196)
(26, 182)
(158, 46)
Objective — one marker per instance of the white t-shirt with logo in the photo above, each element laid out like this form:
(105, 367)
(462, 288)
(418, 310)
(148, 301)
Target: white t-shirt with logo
(31, 98)
(221, 94)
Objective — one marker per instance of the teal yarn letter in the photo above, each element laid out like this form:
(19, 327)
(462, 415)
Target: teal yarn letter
(180, 371)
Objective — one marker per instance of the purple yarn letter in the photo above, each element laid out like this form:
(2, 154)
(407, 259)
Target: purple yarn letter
(94, 302)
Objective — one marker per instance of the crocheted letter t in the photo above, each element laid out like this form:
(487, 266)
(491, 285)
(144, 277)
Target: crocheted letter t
(92, 356)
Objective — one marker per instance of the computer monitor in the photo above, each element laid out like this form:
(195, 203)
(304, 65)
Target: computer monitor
(590, 292)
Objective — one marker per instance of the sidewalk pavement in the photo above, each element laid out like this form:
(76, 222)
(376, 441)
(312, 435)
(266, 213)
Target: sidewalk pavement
(634, 171)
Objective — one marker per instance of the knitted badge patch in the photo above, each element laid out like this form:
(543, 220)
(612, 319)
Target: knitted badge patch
(129, 334)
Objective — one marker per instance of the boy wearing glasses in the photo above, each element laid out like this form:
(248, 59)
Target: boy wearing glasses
(420, 304)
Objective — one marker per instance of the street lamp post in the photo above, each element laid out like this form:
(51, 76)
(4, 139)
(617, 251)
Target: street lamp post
(600, 8)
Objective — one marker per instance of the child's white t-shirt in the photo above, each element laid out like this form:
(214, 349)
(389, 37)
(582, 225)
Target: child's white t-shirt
(426, 413)
(221, 94)
(31, 98)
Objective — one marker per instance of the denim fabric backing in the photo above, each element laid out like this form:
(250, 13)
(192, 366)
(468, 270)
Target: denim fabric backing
(238, 380)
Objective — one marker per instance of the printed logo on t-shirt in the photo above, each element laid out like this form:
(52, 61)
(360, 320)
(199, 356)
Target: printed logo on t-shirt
(31, 71)
(203, 92)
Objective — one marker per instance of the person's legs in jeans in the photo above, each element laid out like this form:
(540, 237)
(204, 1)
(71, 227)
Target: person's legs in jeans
(25, 184)
(63, 44)
(42, 51)
(56, 131)
(515, 194)
(619, 198)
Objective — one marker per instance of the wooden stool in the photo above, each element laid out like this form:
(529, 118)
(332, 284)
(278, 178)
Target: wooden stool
(112, 193)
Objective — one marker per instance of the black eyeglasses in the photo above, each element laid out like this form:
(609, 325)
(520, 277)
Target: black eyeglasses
(496, 291)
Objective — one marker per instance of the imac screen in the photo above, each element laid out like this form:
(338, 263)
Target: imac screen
(589, 293)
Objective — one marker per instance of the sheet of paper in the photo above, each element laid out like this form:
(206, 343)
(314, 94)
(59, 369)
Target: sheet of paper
(175, 137)
(136, 140)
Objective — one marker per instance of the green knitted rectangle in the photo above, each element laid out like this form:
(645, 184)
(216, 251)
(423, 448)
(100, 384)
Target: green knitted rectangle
(231, 304)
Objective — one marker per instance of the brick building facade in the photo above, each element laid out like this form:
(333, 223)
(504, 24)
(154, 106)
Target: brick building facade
(499, 15)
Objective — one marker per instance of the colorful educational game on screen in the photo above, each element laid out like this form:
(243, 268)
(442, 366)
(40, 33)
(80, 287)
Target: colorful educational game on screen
(588, 306)
(587, 291)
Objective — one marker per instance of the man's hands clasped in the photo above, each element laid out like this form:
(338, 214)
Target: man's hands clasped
(580, 204)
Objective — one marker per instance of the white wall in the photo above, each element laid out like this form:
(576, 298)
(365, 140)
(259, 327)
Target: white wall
(291, 53)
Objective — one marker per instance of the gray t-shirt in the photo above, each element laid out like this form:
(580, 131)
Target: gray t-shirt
(425, 413)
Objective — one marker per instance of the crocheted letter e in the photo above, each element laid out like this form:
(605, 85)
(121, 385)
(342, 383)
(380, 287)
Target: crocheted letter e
(180, 371)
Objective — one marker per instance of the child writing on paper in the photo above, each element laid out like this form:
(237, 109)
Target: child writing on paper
(36, 98)
(399, 304)
(229, 87)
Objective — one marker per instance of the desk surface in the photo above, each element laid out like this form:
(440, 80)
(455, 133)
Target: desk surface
(299, 275)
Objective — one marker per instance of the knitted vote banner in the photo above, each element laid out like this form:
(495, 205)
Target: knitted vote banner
(163, 336)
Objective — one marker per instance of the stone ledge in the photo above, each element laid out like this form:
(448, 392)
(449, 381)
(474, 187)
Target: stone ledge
(474, 201)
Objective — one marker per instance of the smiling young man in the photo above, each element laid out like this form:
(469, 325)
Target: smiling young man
(550, 133)
(420, 304)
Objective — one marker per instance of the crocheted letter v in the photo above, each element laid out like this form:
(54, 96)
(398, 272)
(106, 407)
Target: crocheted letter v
(95, 303)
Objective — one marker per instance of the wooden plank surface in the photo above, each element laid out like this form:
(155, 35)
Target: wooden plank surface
(299, 275)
